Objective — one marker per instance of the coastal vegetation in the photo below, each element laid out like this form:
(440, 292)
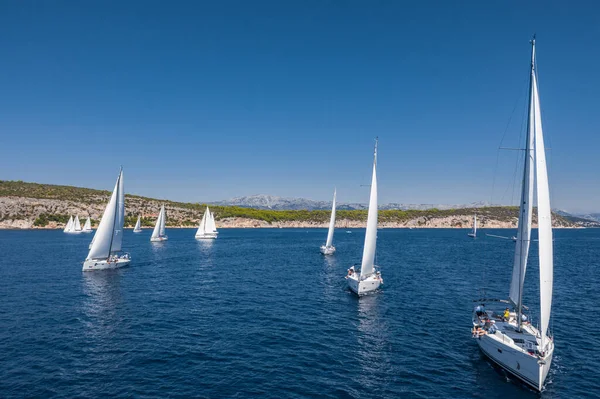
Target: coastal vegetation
(47, 205)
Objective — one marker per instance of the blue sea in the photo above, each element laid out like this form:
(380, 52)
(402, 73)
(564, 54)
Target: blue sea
(261, 313)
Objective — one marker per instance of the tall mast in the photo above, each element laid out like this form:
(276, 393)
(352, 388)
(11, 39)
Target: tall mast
(526, 204)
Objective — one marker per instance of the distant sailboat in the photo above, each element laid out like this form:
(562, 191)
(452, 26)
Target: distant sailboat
(207, 228)
(105, 251)
(473, 232)
(87, 227)
(159, 229)
(510, 340)
(328, 248)
(138, 226)
(76, 225)
(69, 225)
(368, 279)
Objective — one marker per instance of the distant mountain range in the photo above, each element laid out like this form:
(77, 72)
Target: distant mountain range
(261, 201)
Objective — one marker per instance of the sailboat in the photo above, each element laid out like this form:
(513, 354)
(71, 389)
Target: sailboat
(328, 248)
(76, 225)
(138, 225)
(368, 279)
(510, 340)
(69, 225)
(207, 228)
(87, 227)
(473, 232)
(158, 234)
(105, 251)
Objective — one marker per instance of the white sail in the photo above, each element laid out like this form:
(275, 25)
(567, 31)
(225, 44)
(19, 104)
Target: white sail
(474, 225)
(544, 216)
(76, 224)
(331, 223)
(92, 242)
(368, 259)
(120, 219)
(157, 227)
(102, 241)
(163, 221)
(202, 228)
(138, 224)
(69, 225)
(210, 222)
(525, 212)
(88, 225)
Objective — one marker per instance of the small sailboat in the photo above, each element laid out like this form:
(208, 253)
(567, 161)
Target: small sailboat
(138, 225)
(158, 234)
(473, 232)
(105, 251)
(207, 228)
(328, 248)
(509, 339)
(368, 279)
(69, 227)
(87, 227)
(76, 225)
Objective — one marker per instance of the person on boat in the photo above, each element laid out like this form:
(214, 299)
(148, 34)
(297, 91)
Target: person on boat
(480, 310)
(506, 314)
(351, 271)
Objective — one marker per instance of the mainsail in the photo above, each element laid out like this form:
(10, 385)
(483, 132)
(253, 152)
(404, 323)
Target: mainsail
(69, 225)
(368, 259)
(88, 225)
(138, 224)
(210, 222)
(525, 211)
(331, 223)
(159, 227)
(102, 243)
(76, 224)
(202, 227)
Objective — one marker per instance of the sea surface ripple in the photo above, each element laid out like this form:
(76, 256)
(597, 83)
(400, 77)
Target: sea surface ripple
(260, 312)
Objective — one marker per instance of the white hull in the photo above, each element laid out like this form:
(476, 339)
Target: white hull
(471, 235)
(91, 265)
(207, 236)
(526, 367)
(87, 231)
(159, 239)
(327, 250)
(137, 231)
(363, 286)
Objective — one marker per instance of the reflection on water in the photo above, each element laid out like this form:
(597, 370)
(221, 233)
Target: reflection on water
(373, 341)
(103, 295)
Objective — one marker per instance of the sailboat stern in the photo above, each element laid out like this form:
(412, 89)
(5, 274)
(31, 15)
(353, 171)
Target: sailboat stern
(327, 250)
(363, 285)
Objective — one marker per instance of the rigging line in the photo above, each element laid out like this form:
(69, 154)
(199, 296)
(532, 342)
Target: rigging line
(501, 142)
(521, 157)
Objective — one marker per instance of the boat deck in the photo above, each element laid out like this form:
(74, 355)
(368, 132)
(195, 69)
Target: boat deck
(527, 339)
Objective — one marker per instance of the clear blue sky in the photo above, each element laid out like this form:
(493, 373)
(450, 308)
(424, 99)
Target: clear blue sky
(202, 101)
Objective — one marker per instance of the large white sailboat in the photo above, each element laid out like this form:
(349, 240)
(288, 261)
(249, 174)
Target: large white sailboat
(138, 225)
(69, 225)
(328, 248)
(87, 227)
(509, 339)
(368, 279)
(207, 228)
(158, 234)
(105, 251)
(473, 232)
